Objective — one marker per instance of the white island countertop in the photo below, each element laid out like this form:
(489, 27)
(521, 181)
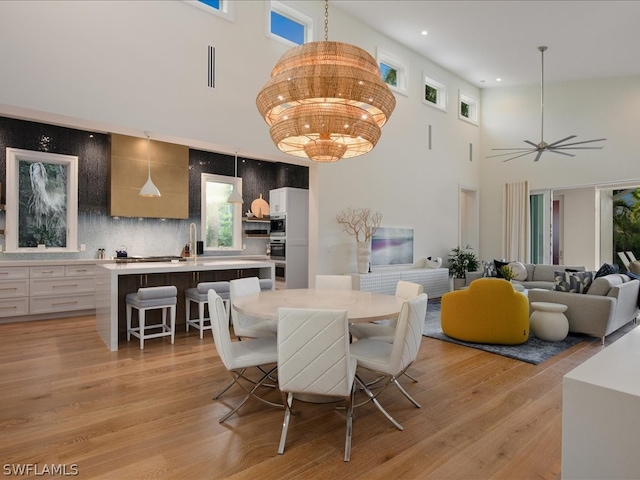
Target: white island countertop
(107, 275)
(190, 265)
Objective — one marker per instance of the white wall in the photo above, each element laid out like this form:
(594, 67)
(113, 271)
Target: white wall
(589, 109)
(580, 230)
(130, 67)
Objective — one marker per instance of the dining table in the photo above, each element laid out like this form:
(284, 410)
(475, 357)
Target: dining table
(360, 306)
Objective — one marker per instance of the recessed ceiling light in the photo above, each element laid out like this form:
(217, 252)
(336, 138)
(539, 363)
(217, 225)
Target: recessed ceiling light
(424, 32)
(498, 79)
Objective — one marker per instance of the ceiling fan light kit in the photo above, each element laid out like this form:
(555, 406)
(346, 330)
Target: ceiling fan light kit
(558, 146)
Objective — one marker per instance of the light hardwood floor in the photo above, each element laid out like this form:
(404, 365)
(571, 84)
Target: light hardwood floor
(65, 399)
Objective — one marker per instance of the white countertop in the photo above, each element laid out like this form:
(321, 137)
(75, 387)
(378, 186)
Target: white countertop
(112, 261)
(188, 266)
(615, 367)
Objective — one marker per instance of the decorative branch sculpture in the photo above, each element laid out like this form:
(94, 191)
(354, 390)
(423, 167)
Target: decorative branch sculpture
(360, 223)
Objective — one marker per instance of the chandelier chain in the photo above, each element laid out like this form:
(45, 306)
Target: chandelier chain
(326, 20)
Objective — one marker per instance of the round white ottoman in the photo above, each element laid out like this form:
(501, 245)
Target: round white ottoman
(548, 321)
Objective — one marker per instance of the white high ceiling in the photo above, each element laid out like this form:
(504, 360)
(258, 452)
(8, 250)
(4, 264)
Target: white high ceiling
(483, 40)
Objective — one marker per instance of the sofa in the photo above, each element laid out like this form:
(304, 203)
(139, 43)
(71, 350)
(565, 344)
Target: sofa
(537, 276)
(610, 302)
(489, 311)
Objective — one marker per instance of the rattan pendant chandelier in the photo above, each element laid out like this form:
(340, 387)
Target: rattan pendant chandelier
(325, 100)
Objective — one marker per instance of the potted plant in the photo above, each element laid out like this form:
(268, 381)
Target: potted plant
(461, 261)
(506, 272)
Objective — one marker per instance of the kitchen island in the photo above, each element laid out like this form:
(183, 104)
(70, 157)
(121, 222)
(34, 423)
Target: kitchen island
(115, 280)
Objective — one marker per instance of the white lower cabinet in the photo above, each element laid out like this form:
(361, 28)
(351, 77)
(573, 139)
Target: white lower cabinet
(59, 288)
(14, 291)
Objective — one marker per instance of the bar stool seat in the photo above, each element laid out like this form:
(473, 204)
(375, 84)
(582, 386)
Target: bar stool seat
(199, 295)
(150, 298)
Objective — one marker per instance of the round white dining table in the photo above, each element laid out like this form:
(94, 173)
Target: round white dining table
(360, 306)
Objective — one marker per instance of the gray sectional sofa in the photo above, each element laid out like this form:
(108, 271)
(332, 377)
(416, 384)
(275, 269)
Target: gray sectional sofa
(538, 276)
(610, 303)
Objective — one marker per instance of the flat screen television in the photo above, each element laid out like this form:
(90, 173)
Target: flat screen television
(392, 246)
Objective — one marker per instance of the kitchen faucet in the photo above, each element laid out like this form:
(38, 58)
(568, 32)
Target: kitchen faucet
(193, 237)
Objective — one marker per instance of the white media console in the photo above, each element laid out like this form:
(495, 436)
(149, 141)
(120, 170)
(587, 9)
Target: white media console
(435, 280)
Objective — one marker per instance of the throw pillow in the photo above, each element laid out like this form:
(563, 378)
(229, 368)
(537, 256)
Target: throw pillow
(519, 271)
(499, 264)
(634, 266)
(489, 269)
(572, 282)
(606, 269)
(633, 276)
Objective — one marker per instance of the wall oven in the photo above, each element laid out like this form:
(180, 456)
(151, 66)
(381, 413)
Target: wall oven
(278, 225)
(278, 248)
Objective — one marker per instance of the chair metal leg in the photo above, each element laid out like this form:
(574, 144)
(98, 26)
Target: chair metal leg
(251, 393)
(287, 401)
(373, 398)
(404, 392)
(410, 377)
(349, 408)
(141, 321)
(224, 389)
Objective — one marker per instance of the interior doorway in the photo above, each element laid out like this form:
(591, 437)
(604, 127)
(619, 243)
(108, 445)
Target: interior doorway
(469, 218)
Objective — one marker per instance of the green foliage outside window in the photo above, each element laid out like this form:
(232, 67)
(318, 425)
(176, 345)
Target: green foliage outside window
(465, 109)
(430, 94)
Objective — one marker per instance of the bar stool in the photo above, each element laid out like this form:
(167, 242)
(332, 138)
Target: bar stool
(199, 295)
(149, 298)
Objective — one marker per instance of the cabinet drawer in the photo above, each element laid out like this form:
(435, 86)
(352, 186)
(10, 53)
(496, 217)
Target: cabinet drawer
(16, 288)
(62, 303)
(14, 307)
(9, 273)
(79, 270)
(47, 271)
(62, 286)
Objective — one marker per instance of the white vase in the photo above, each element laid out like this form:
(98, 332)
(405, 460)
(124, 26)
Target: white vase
(363, 256)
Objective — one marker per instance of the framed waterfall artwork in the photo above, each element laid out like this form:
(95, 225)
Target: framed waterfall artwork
(42, 202)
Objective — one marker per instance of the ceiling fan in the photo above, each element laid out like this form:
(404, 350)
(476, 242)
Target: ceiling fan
(558, 147)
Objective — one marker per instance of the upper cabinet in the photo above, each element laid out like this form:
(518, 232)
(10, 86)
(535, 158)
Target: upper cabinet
(278, 201)
(129, 162)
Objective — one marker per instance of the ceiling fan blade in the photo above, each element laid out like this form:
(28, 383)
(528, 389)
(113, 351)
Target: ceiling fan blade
(560, 141)
(577, 148)
(535, 145)
(584, 141)
(555, 150)
(538, 155)
(518, 156)
(511, 153)
(515, 149)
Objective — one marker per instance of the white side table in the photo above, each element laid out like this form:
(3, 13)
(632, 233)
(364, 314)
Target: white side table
(548, 321)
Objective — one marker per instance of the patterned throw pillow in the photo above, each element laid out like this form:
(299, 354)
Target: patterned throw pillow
(498, 265)
(489, 269)
(606, 269)
(573, 282)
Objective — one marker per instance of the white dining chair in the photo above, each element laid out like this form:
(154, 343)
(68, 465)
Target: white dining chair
(391, 360)
(237, 357)
(244, 326)
(333, 282)
(313, 358)
(385, 332)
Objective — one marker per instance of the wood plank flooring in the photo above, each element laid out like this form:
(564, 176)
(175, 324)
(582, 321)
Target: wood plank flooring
(65, 399)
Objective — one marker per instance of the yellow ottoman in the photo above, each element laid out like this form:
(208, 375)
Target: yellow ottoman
(489, 311)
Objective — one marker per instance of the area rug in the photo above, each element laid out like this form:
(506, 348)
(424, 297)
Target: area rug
(534, 351)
